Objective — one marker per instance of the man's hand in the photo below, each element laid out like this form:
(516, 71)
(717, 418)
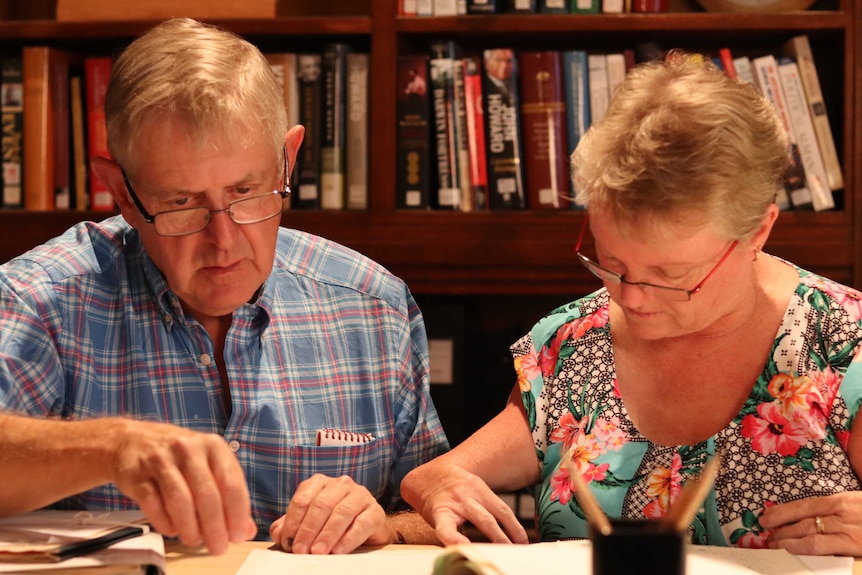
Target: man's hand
(188, 484)
(330, 515)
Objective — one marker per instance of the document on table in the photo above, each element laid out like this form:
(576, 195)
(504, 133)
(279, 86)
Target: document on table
(491, 559)
(29, 542)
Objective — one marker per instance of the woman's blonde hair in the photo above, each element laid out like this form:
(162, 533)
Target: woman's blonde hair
(681, 137)
(209, 81)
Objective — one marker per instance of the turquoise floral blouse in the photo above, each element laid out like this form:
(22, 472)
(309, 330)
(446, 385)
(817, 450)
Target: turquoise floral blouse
(788, 442)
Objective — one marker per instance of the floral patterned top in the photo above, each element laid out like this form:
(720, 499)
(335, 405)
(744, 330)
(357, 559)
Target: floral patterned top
(788, 442)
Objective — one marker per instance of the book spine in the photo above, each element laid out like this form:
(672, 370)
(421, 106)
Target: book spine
(476, 131)
(442, 69)
(332, 170)
(356, 151)
(425, 7)
(482, 6)
(38, 129)
(616, 65)
(597, 73)
(543, 121)
(445, 7)
(97, 71)
(553, 6)
(800, 48)
(744, 72)
(310, 88)
(578, 96)
(520, 6)
(806, 139)
(413, 158)
(502, 130)
(12, 111)
(765, 70)
(60, 108)
(460, 136)
(613, 6)
(79, 142)
(407, 8)
(585, 6)
(727, 63)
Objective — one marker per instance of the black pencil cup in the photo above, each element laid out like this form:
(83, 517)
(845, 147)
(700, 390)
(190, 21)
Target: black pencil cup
(638, 548)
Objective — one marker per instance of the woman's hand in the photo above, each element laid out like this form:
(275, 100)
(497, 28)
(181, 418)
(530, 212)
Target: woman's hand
(448, 496)
(827, 525)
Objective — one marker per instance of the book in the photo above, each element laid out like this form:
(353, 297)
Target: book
(283, 66)
(577, 89)
(804, 135)
(613, 6)
(800, 48)
(45, 77)
(727, 65)
(332, 169)
(765, 70)
(553, 6)
(113, 10)
(414, 156)
(744, 72)
(62, 136)
(79, 143)
(543, 122)
(97, 71)
(597, 79)
(446, 146)
(476, 131)
(503, 130)
(585, 6)
(356, 132)
(12, 147)
(616, 65)
(80, 542)
(520, 6)
(446, 7)
(307, 171)
(482, 6)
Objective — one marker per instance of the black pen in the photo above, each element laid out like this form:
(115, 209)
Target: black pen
(86, 546)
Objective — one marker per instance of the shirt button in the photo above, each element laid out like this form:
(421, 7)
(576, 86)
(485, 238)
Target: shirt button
(205, 359)
(234, 446)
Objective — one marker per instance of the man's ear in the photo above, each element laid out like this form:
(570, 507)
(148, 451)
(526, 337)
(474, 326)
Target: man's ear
(108, 171)
(292, 142)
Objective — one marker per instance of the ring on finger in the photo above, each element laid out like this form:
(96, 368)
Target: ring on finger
(818, 522)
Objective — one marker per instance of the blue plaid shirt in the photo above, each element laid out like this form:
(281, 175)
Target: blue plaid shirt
(89, 328)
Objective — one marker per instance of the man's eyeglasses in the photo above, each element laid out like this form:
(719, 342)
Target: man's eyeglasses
(662, 292)
(187, 221)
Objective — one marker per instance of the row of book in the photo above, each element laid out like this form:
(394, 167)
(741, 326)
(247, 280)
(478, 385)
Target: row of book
(52, 106)
(495, 130)
(463, 7)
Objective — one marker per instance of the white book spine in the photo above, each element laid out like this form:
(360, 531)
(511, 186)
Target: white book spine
(598, 80)
(616, 64)
(806, 139)
(356, 135)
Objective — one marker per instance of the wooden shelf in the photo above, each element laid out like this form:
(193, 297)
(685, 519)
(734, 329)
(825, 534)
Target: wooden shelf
(513, 253)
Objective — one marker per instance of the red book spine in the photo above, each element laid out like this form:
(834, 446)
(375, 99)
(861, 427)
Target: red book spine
(476, 131)
(97, 71)
(543, 116)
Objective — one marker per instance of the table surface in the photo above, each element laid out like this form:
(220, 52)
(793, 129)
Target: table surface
(185, 561)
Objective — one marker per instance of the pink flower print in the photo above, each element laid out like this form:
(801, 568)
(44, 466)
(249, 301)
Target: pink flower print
(569, 428)
(609, 433)
(753, 540)
(663, 486)
(843, 438)
(772, 432)
(561, 487)
(790, 392)
(527, 368)
(596, 472)
(547, 360)
(848, 298)
(584, 449)
(825, 383)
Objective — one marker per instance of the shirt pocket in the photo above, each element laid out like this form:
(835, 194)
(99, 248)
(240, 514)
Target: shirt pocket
(364, 463)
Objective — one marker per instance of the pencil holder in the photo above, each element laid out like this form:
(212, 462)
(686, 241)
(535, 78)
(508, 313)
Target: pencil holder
(638, 548)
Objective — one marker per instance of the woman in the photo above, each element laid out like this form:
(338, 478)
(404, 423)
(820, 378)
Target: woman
(698, 342)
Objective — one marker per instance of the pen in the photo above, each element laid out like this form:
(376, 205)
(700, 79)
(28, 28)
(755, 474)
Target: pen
(680, 516)
(86, 546)
(585, 497)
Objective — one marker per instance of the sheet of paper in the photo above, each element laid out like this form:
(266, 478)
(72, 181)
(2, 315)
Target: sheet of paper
(828, 564)
(378, 562)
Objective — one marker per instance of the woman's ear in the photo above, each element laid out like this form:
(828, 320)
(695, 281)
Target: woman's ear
(762, 234)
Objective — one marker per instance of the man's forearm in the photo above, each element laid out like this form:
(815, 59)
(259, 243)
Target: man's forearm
(44, 460)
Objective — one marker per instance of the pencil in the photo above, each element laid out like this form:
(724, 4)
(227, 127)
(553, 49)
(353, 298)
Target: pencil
(684, 510)
(595, 516)
(86, 546)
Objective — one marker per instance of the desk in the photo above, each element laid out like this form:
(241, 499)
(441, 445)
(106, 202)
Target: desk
(184, 561)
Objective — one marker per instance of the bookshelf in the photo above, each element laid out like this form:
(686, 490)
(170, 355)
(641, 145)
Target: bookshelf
(527, 253)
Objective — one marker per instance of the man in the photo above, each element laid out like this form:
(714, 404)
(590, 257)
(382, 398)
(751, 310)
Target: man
(186, 356)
